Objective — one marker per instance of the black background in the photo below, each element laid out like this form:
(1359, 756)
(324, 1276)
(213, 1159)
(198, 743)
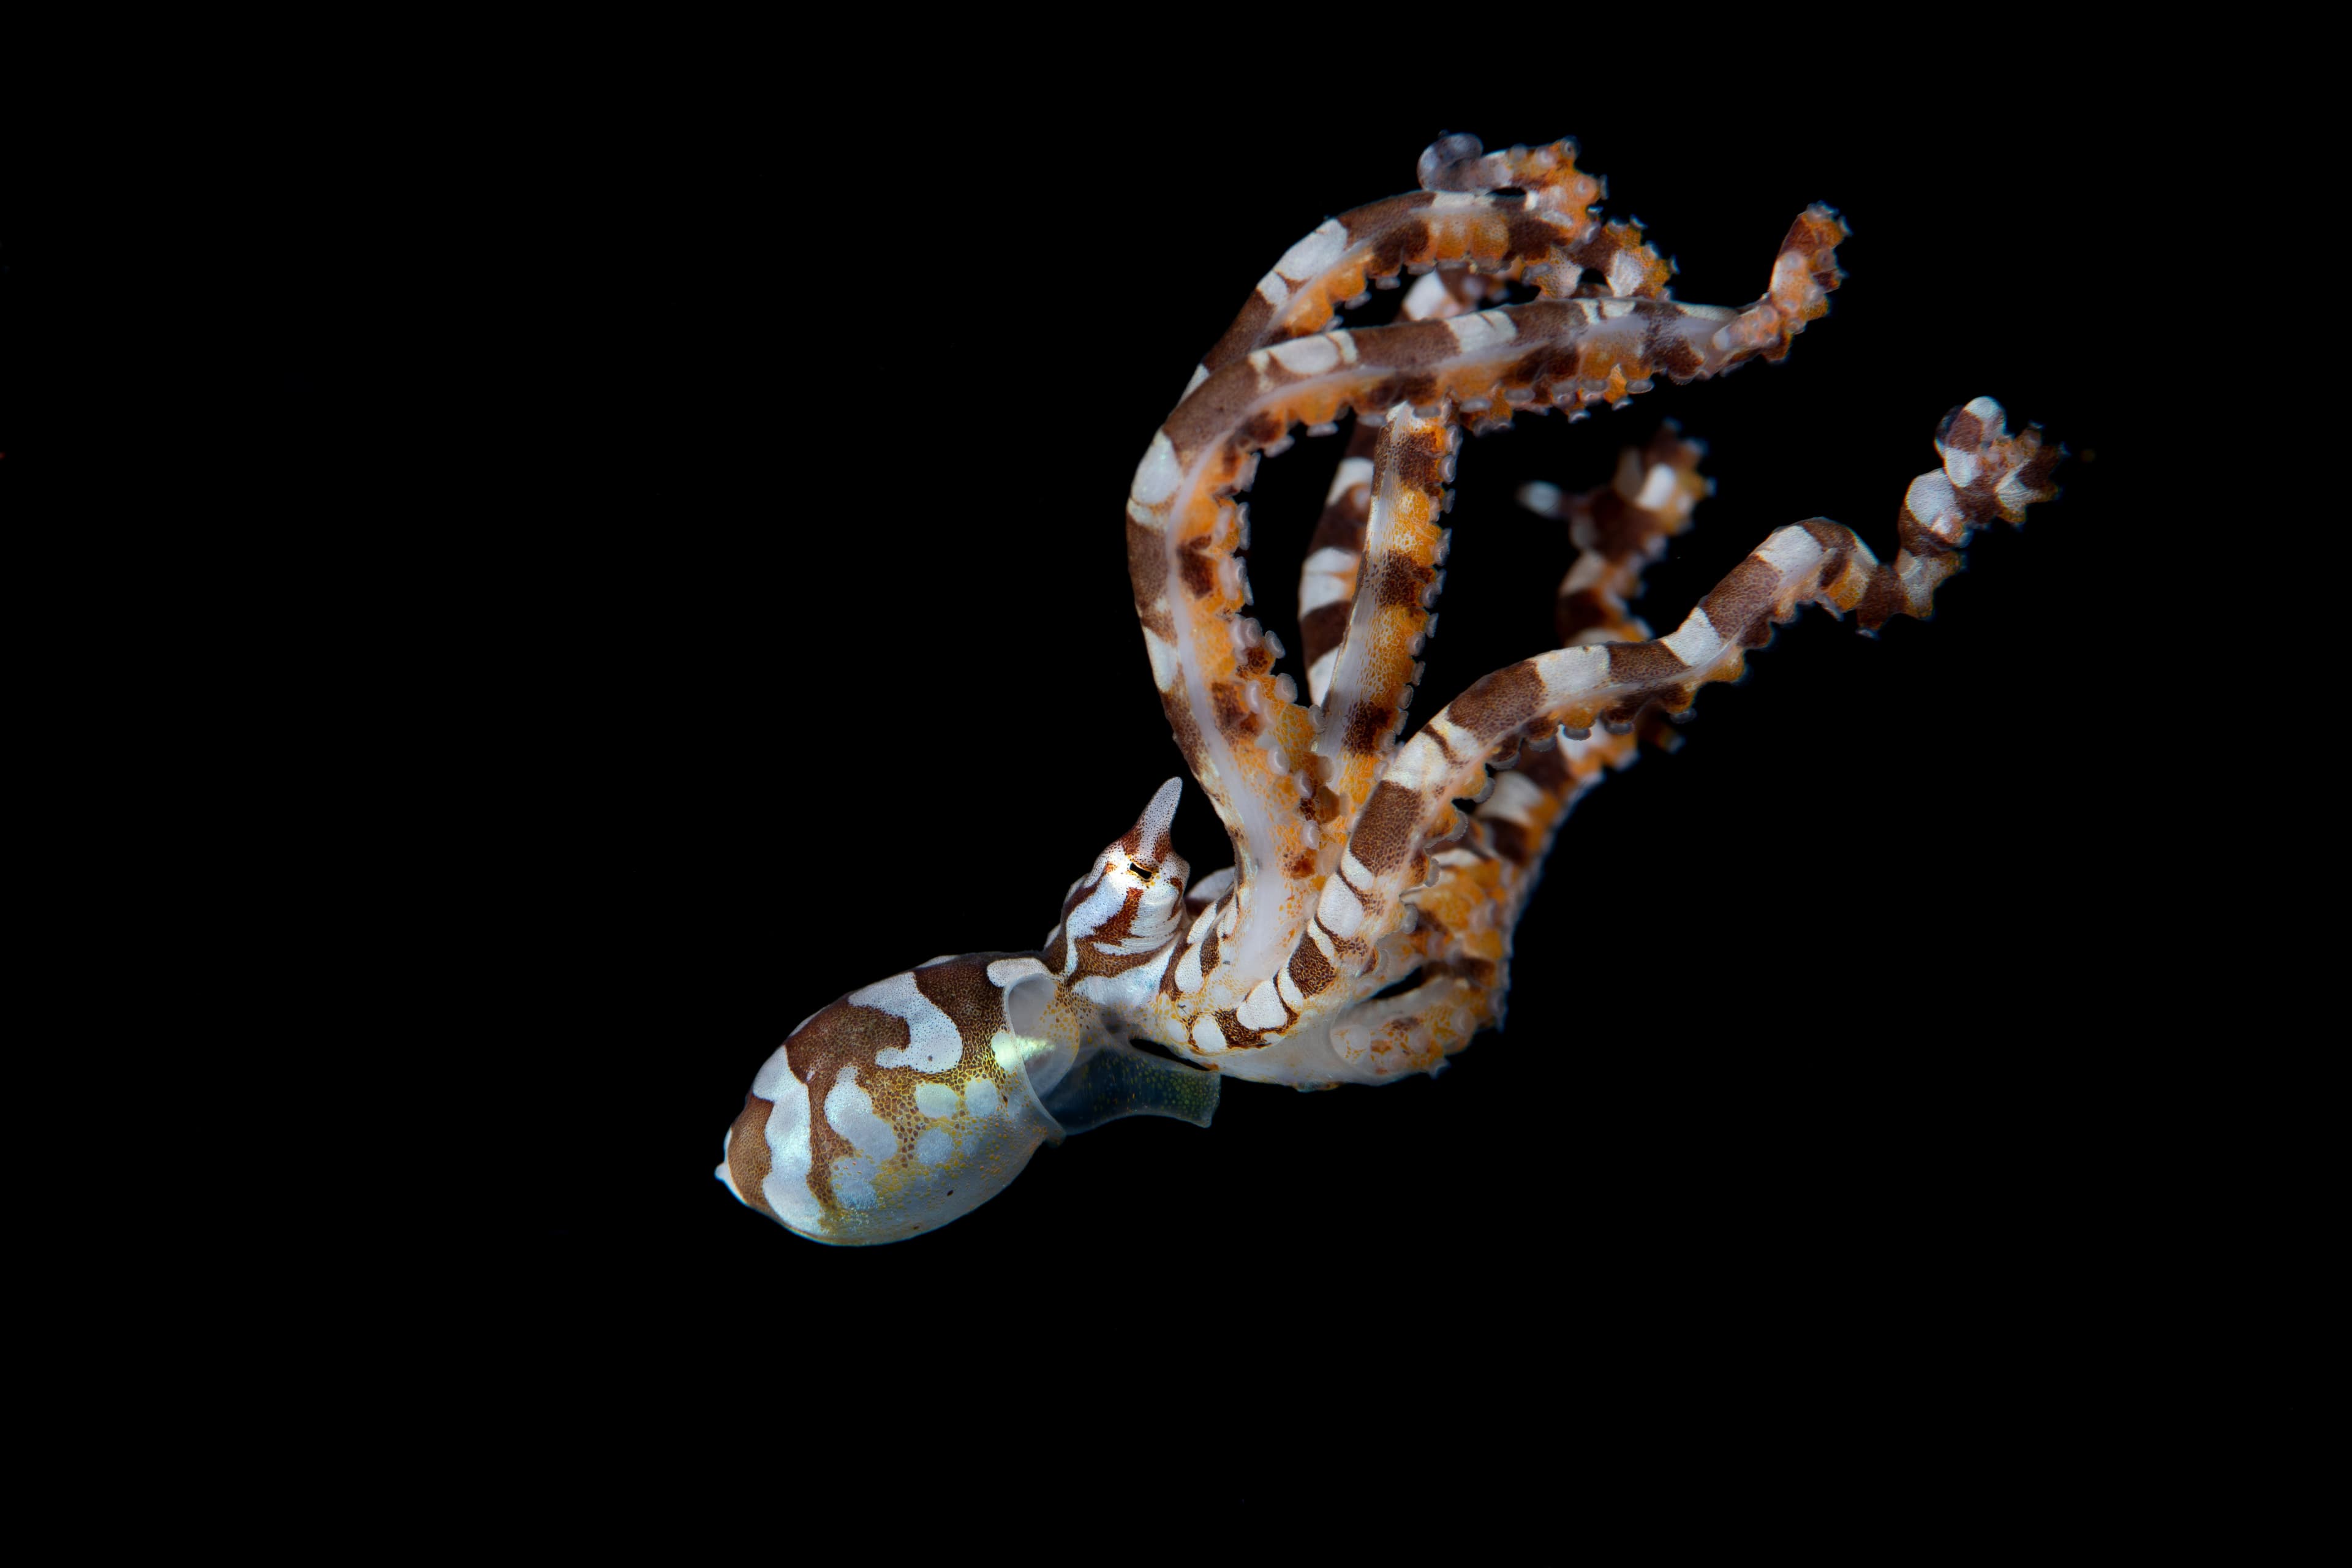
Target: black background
(750, 478)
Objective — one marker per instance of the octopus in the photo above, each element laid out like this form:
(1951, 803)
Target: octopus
(1363, 933)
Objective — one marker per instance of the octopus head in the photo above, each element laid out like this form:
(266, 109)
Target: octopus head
(913, 1101)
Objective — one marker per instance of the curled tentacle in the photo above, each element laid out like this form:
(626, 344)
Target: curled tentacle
(1533, 235)
(1547, 234)
(1371, 678)
(1986, 473)
(1618, 529)
(1237, 723)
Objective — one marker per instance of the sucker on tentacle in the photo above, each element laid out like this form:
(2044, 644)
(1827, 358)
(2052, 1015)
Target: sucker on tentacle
(1364, 930)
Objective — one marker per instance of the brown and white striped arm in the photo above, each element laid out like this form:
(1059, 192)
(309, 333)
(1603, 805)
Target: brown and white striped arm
(1618, 529)
(1458, 945)
(1335, 552)
(1373, 670)
(1239, 725)
(1450, 967)
(1546, 235)
(1986, 473)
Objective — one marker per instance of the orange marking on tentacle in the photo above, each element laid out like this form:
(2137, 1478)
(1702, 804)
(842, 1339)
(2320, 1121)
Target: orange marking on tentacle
(1450, 223)
(1249, 742)
(1379, 659)
(1986, 474)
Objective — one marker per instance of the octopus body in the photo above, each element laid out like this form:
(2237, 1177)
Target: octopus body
(1364, 930)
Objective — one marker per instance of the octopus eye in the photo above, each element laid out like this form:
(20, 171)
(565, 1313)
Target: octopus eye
(1026, 1004)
